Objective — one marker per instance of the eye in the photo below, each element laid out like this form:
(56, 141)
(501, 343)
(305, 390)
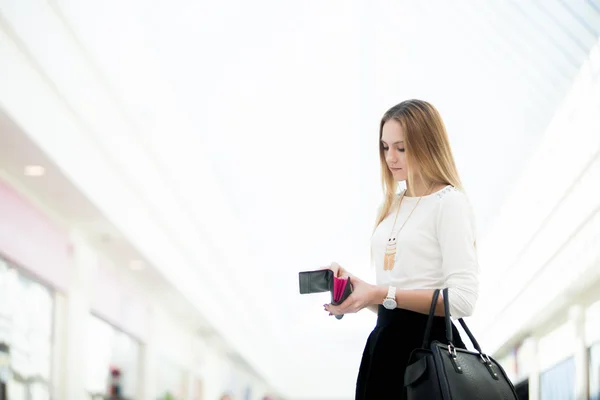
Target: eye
(401, 150)
(385, 148)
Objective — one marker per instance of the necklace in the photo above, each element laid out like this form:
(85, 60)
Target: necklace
(389, 261)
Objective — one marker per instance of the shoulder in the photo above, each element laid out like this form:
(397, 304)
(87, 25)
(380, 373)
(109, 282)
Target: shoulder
(451, 196)
(454, 201)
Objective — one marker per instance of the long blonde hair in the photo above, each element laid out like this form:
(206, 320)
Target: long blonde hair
(427, 145)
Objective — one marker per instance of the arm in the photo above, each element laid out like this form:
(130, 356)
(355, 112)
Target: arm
(371, 296)
(456, 236)
(412, 300)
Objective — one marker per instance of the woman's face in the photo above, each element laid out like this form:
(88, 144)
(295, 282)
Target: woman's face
(392, 141)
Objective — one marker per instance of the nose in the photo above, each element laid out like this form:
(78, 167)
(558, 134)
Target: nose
(391, 157)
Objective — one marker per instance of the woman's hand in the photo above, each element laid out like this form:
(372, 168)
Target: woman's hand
(363, 295)
(337, 269)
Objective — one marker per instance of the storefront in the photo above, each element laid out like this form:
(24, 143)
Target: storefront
(26, 319)
(567, 358)
(34, 262)
(112, 360)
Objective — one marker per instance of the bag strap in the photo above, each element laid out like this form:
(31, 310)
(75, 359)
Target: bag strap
(470, 335)
(429, 325)
(449, 337)
(462, 323)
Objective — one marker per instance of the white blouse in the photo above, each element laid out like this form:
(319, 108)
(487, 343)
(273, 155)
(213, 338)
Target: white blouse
(435, 249)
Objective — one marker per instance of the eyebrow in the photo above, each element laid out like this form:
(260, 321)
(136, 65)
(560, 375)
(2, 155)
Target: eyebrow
(398, 142)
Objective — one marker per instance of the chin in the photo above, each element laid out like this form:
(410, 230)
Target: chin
(399, 177)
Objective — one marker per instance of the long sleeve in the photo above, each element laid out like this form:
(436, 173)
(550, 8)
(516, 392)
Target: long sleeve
(456, 235)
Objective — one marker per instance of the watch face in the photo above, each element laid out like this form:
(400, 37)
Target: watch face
(389, 304)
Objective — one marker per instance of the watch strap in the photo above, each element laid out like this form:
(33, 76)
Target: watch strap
(391, 294)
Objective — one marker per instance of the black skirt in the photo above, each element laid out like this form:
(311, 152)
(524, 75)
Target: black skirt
(397, 333)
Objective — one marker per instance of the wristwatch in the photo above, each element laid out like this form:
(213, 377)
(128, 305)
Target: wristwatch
(390, 300)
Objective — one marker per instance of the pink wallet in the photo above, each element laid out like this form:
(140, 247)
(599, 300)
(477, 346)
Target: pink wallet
(339, 286)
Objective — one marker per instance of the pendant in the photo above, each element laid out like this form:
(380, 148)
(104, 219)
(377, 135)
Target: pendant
(390, 254)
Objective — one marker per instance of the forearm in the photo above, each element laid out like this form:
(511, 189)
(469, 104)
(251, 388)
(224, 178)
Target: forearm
(413, 300)
(374, 308)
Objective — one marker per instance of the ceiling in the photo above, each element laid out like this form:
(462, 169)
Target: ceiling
(247, 133)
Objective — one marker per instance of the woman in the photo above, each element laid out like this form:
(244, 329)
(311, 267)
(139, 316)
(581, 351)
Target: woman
(424, 240)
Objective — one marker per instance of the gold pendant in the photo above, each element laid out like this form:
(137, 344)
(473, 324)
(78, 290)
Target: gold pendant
(390, 255)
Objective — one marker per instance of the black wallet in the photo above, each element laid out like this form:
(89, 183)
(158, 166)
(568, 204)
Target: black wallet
(321, 281)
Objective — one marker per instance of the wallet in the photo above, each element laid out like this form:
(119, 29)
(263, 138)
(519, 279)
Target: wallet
(323, 280)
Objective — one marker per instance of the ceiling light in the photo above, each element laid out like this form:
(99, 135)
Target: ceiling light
(34, 170)
(136, 265)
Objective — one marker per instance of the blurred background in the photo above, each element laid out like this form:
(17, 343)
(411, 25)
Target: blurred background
(168, 167)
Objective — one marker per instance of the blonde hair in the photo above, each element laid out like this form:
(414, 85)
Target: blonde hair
(427, 145)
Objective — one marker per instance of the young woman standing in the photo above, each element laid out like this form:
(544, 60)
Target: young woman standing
(424, 240)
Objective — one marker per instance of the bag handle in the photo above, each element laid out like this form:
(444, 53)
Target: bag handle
(452, 349)
(449, 335)
(429, 325)
(462, 323)
(470, 335)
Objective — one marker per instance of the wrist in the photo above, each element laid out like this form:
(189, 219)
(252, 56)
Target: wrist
(379, 294)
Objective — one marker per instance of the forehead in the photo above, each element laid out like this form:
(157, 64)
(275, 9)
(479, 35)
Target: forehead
(392, 132)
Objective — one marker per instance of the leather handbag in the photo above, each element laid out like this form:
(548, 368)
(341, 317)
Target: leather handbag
(322, 280)
(441, 371)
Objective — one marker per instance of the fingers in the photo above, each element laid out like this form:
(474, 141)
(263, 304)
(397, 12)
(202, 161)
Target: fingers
(330, 309)
(348, 306)
(333, 310)
(335, 267)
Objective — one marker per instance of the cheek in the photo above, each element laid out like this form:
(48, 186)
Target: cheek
(402, 160)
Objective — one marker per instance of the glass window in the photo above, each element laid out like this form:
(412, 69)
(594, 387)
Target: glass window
(126, 355)
(108, 348)
(26, 315)
(170, 382)
(595, 372)
(558, 382)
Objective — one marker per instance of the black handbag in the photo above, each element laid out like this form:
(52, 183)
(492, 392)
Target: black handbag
(441, 371)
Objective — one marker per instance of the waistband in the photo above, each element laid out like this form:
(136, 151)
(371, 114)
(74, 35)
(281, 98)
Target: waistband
(401, 316)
